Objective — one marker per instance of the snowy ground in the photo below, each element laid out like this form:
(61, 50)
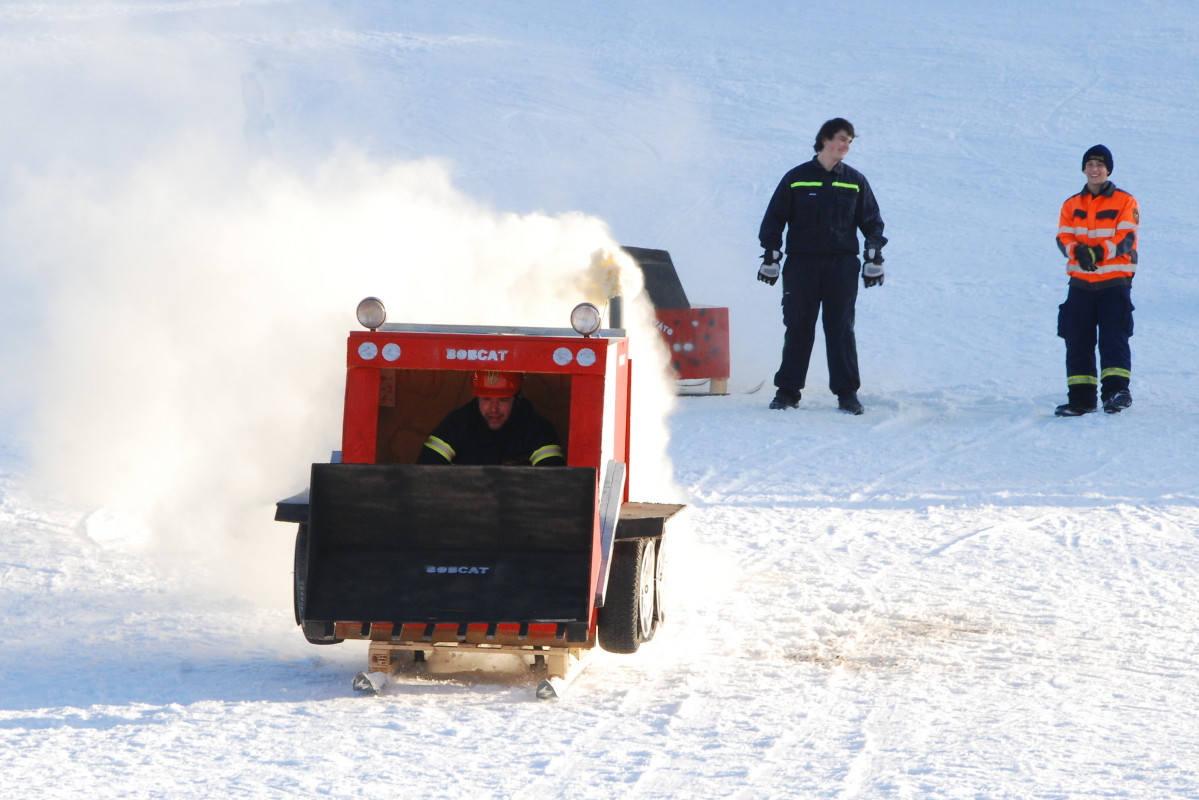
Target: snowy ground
(893, 624)
(953, 595)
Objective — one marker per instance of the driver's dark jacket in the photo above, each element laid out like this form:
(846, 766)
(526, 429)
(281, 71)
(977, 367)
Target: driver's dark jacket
(463, 437)
(822, 211)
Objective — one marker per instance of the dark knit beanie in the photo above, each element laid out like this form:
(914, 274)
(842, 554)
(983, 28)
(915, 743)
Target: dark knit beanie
(1100, 152)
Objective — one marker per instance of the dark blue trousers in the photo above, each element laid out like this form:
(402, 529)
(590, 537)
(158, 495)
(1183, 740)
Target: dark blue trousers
(1090, 317)
(824, 286)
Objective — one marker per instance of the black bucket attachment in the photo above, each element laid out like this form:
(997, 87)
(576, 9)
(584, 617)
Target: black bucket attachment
(405, 543)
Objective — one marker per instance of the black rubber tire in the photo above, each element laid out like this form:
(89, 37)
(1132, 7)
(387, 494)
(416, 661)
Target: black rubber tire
(629, 616)
(660, 584)
(300, 591)
(320, 633)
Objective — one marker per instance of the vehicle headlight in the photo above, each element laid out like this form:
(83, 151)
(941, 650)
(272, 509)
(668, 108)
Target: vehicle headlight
(585, 319)
(371, 313)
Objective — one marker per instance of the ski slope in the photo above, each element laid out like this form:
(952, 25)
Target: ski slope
(953, 595)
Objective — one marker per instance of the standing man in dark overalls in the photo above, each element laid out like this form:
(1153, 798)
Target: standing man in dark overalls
(822, 204)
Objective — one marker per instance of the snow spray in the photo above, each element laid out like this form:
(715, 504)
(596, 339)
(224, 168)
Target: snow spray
(188, 360)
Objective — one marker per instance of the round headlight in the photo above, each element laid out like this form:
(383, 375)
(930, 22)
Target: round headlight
(371, 313)
(585, 319)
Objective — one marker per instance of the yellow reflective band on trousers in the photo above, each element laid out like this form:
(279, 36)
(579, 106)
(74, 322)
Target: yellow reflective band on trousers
(441, 448)
(1082, 380)
(549, 451)
(1115, 372)
(798, 184)
(853, 186)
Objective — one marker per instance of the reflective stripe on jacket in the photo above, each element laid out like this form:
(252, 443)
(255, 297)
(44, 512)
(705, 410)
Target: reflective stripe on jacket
(822, 212)
(464, 437)
(1107, 221)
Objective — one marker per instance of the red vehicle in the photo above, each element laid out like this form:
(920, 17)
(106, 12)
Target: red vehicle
(544, 562)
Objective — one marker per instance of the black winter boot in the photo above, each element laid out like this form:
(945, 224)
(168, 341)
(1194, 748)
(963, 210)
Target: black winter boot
(785, 398)
(849, 403)
(1073, 410)
(1117, 402)
(1080, 399)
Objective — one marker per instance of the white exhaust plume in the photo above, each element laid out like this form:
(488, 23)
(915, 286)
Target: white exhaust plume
(175, 301)
(193, 364)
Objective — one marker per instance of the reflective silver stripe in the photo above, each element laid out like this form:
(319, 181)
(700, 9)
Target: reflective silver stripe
(441, 448)
(549, 451)
(1115, 372)
(1072, 269)
(1082, 380)
(1096, 233)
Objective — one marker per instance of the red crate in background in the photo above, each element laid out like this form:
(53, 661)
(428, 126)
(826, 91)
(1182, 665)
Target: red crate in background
(698, 336)
(699, 344)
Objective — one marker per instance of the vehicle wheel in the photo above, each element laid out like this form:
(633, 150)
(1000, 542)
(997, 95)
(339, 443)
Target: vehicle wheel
(627, 618)
(314, 632)
(317, 632)
(660, 584)
(300, 575)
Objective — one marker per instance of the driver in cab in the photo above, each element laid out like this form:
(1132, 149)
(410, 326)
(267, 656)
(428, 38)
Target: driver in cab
(498, 426)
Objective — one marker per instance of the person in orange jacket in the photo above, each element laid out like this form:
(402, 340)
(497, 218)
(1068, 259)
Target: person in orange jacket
(1097, 232)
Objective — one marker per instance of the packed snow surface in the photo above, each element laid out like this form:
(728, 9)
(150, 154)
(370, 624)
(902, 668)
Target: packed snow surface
(953, 595)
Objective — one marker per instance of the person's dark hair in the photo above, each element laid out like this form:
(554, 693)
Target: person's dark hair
(830, 129)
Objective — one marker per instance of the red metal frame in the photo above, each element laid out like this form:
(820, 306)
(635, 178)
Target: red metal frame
(600, 390)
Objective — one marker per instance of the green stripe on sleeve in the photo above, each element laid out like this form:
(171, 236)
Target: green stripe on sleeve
(441, 448)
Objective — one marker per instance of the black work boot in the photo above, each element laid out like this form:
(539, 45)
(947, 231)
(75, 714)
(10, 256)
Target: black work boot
(1117, 402)
(1072, 410)
(848, 402)
(785, 398)
(1079, 400)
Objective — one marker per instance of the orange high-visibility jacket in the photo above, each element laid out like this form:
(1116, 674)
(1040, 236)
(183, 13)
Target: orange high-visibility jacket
(1107, 221)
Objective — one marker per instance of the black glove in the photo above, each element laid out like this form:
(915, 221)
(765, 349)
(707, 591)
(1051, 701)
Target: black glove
(872, 267)
(1087, 257)
(769, 271)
